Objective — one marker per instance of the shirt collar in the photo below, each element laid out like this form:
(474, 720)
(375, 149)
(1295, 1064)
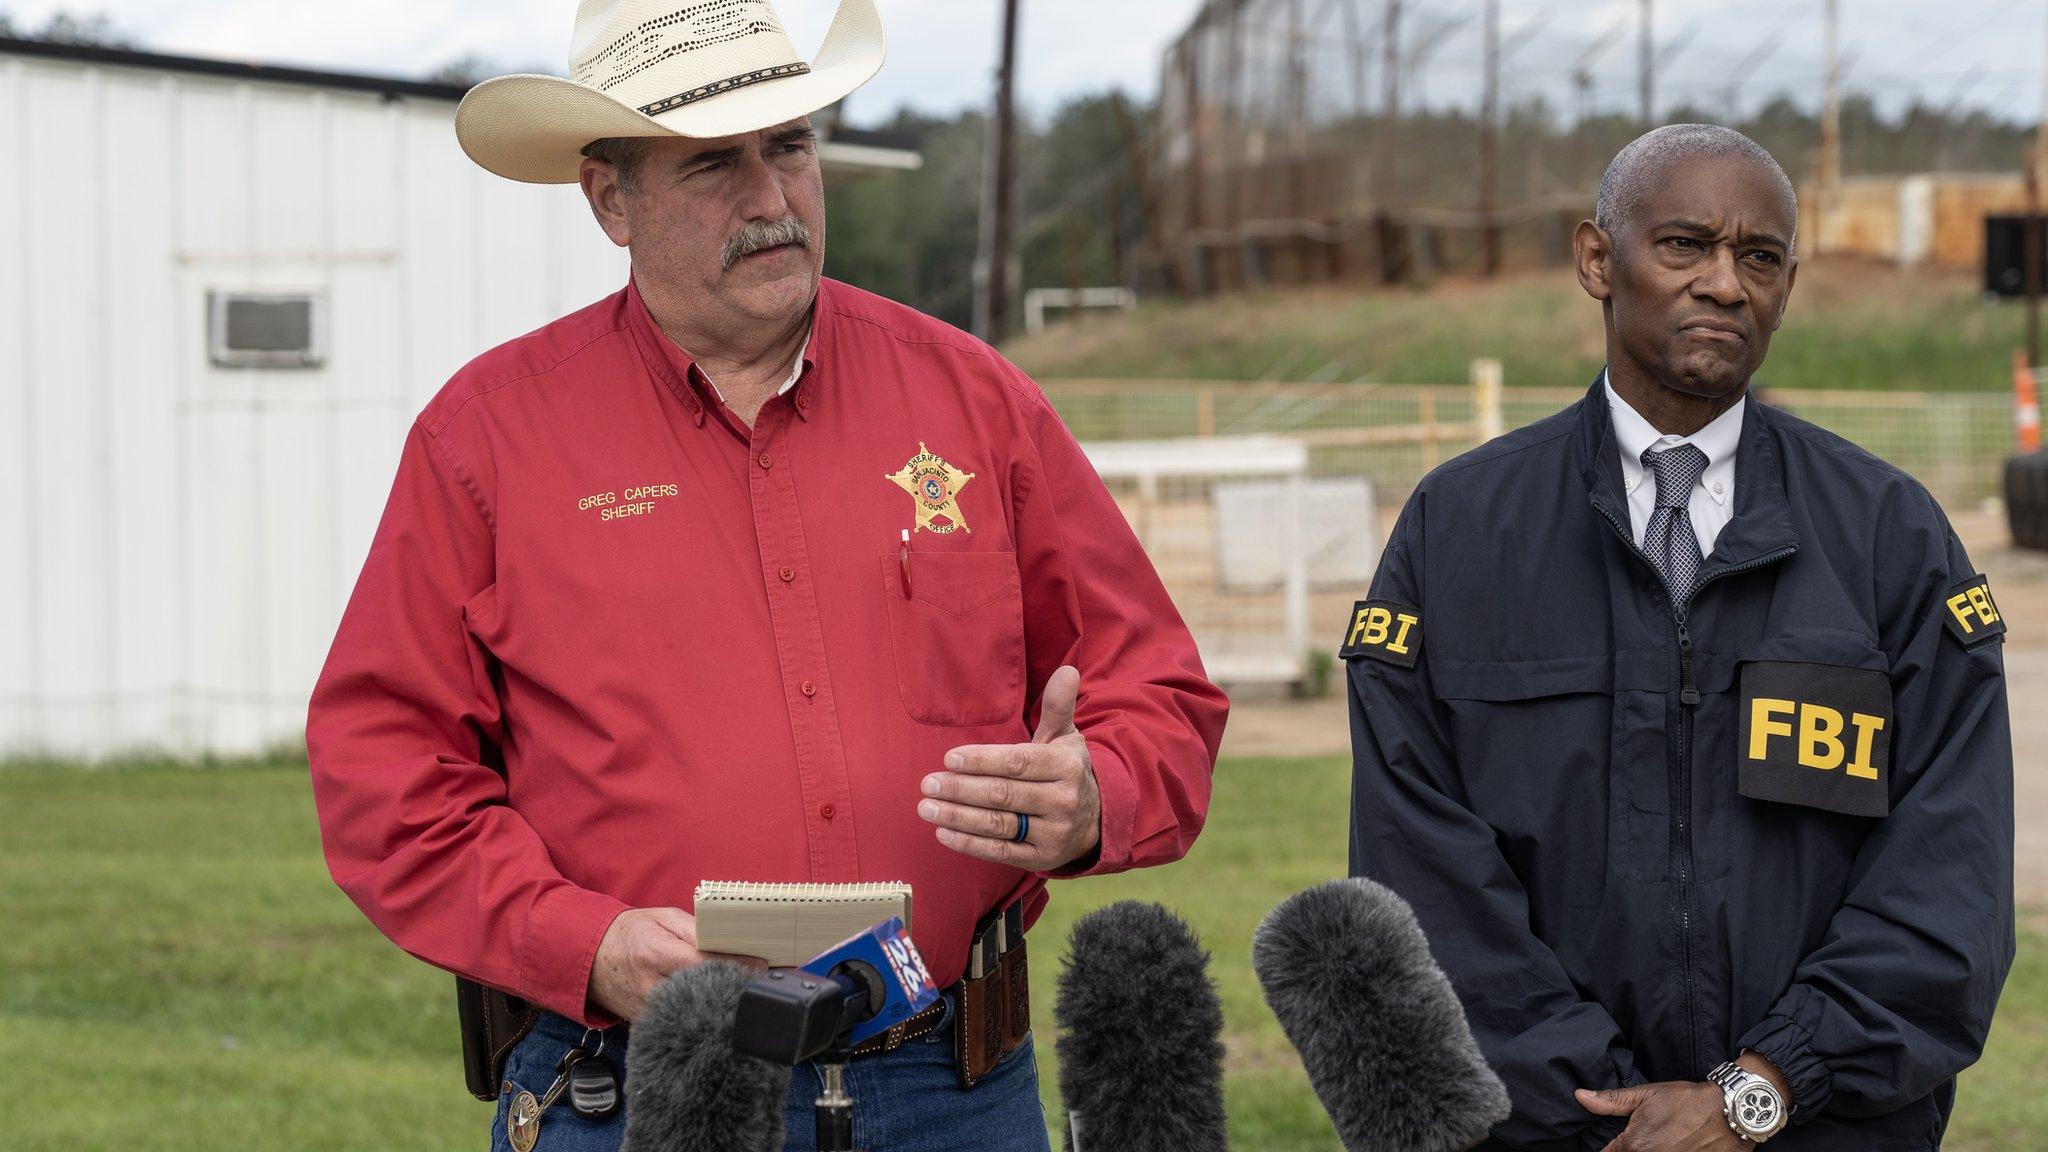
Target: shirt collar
(678, 369)
(1719, 440)
(796, 372)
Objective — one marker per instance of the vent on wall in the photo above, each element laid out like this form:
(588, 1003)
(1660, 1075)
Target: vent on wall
(266, 329)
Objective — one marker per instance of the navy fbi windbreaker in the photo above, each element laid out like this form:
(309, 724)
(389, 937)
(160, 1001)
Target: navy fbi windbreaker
(1643, 838)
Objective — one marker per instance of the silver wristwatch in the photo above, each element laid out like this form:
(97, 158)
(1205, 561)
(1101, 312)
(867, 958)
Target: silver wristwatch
(1754, 1109)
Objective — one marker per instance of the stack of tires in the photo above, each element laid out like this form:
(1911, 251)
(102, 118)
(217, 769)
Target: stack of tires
(2026, 499)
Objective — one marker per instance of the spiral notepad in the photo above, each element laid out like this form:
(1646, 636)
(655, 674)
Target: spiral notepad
(788, 924)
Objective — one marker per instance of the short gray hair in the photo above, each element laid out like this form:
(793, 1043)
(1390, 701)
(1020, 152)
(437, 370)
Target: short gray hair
(623, 153)
(1637, 167)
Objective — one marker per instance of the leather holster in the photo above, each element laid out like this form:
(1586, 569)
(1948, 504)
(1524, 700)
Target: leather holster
(492, 1023)
(995, 1007)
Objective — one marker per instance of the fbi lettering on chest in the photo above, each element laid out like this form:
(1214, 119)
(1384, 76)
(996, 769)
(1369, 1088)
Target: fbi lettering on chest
(1816, 735)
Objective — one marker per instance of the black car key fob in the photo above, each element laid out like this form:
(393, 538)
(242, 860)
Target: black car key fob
(593, 1088)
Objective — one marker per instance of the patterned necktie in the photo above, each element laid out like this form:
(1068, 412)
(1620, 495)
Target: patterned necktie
(1668, 538)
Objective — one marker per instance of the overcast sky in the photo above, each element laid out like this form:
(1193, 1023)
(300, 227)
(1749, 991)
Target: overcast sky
(1986, 53)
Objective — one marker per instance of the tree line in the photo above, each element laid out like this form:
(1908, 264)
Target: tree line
(912, 236)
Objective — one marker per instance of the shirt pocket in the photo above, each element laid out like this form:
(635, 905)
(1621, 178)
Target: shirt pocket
(958, 636)
(1792, 752)
(1537, 743)
(1813, 724)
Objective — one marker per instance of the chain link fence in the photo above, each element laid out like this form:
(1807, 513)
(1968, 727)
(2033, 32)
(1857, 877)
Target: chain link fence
(1249, 547)
(1954, 442)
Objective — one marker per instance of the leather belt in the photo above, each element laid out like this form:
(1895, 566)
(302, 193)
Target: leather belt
(917, 1027)
(992, 1002)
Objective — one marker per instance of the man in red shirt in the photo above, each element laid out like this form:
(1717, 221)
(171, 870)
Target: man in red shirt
(738, 574)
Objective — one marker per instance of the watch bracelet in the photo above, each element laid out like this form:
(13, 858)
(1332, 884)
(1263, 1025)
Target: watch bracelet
(1726, 1076)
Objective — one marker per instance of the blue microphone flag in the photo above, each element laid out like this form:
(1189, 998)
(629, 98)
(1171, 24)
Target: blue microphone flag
(907, 983)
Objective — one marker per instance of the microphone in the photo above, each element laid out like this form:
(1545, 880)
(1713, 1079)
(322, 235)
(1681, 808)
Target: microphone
(860, 987)
(687, 1090)
(1141, 1035)
(1347, 970)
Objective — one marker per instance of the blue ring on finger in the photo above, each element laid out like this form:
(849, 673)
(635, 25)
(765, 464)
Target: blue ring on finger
(1023, 829)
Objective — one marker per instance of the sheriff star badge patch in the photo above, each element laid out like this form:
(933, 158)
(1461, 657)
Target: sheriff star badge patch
(934, 488)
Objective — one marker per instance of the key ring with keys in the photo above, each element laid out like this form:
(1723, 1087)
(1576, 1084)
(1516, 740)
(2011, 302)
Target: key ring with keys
(595, 1095)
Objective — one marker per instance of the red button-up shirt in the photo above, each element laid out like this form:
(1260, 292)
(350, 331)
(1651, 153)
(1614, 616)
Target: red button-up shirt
(610, 641)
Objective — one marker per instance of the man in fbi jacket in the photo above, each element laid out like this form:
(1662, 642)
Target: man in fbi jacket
(738, 574)
(1682, 724)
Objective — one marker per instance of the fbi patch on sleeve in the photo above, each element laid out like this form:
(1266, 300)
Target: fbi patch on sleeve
(1970, 613)
(1383, 630)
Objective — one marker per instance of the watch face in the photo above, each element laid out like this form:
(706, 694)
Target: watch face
(1757, 1110)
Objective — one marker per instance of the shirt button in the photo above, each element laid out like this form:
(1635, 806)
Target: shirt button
(809, 689)
(828, 811)
(766, 461)
(1717, 487)
(787, 574)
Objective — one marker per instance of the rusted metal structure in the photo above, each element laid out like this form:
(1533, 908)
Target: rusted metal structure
(1281, 134)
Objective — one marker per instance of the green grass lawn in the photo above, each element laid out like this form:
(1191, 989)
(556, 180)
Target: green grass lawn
(177, 972)
(1851, 324)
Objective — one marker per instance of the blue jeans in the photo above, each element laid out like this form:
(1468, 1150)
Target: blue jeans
(904, 1101)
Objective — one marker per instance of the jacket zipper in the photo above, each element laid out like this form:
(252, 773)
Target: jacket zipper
(1688, 699)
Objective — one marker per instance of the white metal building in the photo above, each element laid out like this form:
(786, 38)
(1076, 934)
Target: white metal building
(225, 290)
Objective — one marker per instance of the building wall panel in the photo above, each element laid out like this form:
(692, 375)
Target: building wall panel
(188, 533)
(67, 315)
(20, 584)
(135, 273)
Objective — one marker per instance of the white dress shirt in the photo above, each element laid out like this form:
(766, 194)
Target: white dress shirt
(796, 372)
(1712, 502)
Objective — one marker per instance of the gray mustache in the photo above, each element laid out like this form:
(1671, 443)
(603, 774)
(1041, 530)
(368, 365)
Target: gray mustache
(765, 234)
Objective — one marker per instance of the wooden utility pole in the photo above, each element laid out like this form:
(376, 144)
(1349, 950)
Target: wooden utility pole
(1141, 183)
(1582, 79)
(2032, 237)
(1119, 273)
(1489, 142)
(1646, 68)
(1077, 257)
(1831, 105)
(1297, 123)
(1195, 279)
(1392, 240)
(2030, 256)
(1390, 104)
(1358, 176)
(1829, 169)
(1354, 40)
(993, 312)
(1233, 142)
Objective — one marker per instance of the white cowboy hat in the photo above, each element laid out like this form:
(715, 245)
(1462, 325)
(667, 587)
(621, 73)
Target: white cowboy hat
(693, 68)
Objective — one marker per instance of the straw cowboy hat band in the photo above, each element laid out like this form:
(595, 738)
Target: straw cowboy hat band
(695, 68)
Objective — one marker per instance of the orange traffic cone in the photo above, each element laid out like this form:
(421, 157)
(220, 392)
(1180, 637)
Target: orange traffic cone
(2026, 405)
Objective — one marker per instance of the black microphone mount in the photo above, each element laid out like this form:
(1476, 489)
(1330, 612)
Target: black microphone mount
(788, 1016)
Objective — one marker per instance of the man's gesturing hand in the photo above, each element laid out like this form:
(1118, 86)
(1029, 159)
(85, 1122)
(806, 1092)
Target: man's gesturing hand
(640, 950)
(1675, 1116)
(976, 801)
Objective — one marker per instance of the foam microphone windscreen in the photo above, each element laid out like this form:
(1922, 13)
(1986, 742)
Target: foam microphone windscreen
(1141, 1035)
(1347, 970)
(686, 1089)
